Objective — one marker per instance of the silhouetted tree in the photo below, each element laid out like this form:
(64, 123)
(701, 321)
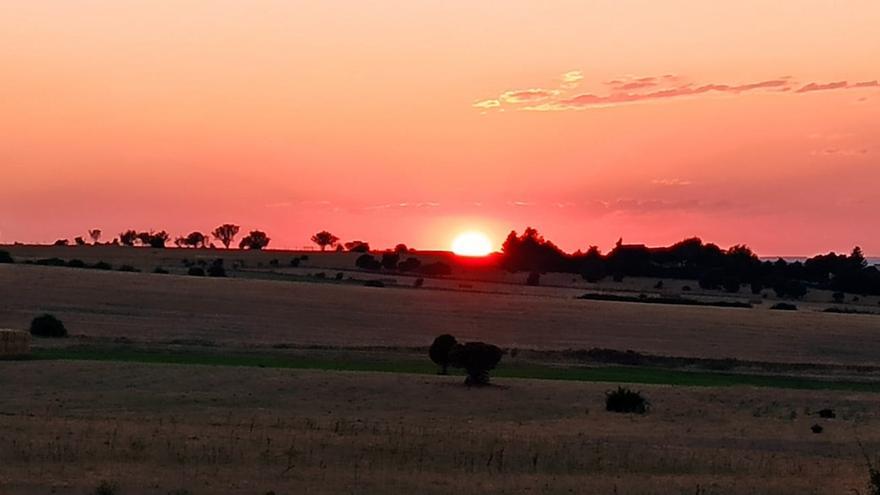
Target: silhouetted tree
(401, 249)
(255, 240)
(389, 260)
(477, 359)
(225, 234)
(95, 235)
(196, 239)
(324, 239)
(79, 241)
(367, 262)
(158, 239)
(358, 246)
(216, 269)
(5, 257)
(61, 242)
(440, 349)
(409, 265)
(47, 326)
(128, 237)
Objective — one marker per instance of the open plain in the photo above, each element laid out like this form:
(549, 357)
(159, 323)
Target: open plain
(179, 384)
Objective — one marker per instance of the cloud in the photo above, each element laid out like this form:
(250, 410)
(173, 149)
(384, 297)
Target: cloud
(527, 95)
(487, 104)
(671, 182)
(837, 85)
(572, 79)
(635, 89)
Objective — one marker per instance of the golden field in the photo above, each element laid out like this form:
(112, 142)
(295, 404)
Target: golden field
(68, 425)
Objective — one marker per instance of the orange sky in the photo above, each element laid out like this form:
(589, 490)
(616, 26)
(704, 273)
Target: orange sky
(410, 121)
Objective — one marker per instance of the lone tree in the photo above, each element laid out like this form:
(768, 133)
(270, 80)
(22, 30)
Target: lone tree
(226, 234)
(439, 351)
(477, 359)
(324, 239)
(47, 326)
(255, 240)
(95, 235)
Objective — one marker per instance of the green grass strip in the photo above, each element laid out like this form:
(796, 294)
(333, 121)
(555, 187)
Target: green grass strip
(610, 374)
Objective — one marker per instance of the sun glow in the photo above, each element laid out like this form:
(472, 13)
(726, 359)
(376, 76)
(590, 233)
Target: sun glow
(472, 244)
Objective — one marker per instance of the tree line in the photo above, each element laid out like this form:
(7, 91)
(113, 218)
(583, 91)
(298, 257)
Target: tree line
(692, 259)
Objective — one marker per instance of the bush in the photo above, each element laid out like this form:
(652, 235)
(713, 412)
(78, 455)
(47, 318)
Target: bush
(51, 262)
(477, 359)
(47, 326)
(128, 268)
(216, 268)
(374, 283)
(367, 262)
(106, 488)
(160, 270)
(409, 265)
(294, 262)
(419, 282)
(784, 307)
(439, 351)
(101, 265)
(389, 260)
(624, 400)
(196, 271)
(339, 276)
(76, 264)
(5, 257)
(838, 297)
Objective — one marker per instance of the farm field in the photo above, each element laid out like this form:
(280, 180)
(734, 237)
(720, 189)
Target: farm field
(276, 381)
(149, 429)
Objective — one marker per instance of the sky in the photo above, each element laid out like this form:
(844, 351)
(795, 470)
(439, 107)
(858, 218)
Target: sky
(752, 122)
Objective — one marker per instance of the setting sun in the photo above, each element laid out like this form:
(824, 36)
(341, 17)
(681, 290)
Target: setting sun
(472, 244)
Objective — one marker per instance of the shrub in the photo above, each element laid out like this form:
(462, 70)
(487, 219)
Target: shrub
(5, 257)
(128, 268)
(255, 240)
(160, 270)
(321, 275)
(410, 264)
(624, 400)
(339, 276)
(47, 326)
(216, 269)
(196, 271)
(51, 262)
(101, 265)
(389, 260)
(439, 351)
(367, 262)
(838, 297)
(419, 282)
(477, 359)
(784, 307)
(374, 283)
(294, 262)
(76, 264)
(106, 488)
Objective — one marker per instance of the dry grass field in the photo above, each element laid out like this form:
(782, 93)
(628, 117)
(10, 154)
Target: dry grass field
(68, 425)
(241, 311)
(155, 429)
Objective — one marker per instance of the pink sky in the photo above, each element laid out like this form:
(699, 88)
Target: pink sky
(755, 122)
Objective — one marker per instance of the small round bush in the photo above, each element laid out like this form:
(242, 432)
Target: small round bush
(196, 271)
(784, 307)
(440, 349)
(624, 400)
(5, 257)
(47, 326)
(74, 263)
(160, 270)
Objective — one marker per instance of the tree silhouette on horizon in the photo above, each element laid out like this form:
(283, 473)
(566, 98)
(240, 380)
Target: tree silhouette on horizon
(324, 239)
(226, 233)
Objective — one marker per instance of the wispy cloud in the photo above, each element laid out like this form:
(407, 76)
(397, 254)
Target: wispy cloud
(636, 89)
(837, 85)
(673, 182)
